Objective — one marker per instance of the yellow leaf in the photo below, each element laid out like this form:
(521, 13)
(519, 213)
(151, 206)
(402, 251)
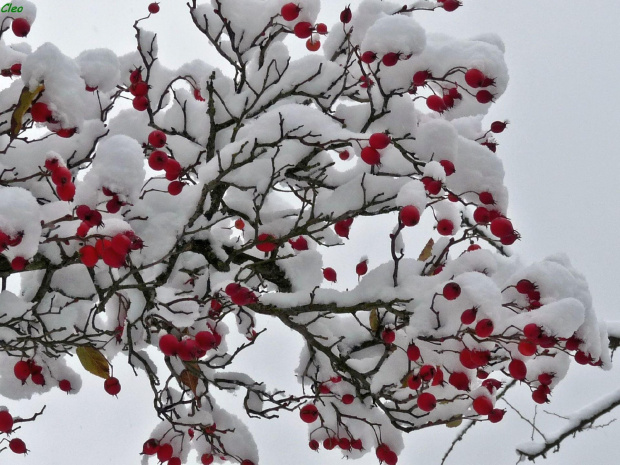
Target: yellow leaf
(25, 101)
(426, 251)
(454, 423)
(374, 320)
(93, 361)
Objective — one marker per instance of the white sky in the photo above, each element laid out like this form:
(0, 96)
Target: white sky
(561, 165)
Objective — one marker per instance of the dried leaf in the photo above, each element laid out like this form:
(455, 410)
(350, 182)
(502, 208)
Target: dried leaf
(374, 320)
(426, 251)
(190, 380)
(93, 361)
(25, 101)
(454, 423)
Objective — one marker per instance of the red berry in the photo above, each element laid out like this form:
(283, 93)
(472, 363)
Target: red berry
(303, 30)
(64, 385)
(390, 59)
(413, 352)
(112, 386)
(344, 155)
(6, 421)
(206, 340)
(164, 452)
(314, 444)
(481, 215)
(168, 344)
(121, 244)
(175, 187)
(135, 76)
(379, 140)
(525, 286)
(361, 268)
(436, 103)
(496, 415)
(239, 224)
(501, 227)
(154, 8)
(474, 78)
(321, 28)
(61, 175)
(545, 378)
(432, 186)
(19, 263)
(498, 126)
(206, 459)
(357, 444)
(420, 77)
(38, 379)
(469, 316)
(18, 446)
(300, 244)
(465, 357)
(89, 256)
(448, 167)
(172, 169)
(532, 331)
(139, 89)
(313, 45)
(517, 369)
(445, 227)
(16, 69)
(459, 380)
(371, 156)
(484, 96)
(21, 370)
(451, 5)
(346, 15)
(368, 57)
(540, 395)
(582, 358)
(427, 372)
(348, 399)
(388, 336)
(157, 160)
(157, 139)
(20, 27)
(266, 242)
(342, 228)
(527, 347)
(40, 113)
(451, 291)
(198, 96)
(329, 274)
(427, 401)
(290, 12)
(66, 132)
(483, 405)
(409, 215)
(51, 164)
(486, 198)
(141, 103)
(484, 328)
(177, 461)
(309, 413)
(414, 382)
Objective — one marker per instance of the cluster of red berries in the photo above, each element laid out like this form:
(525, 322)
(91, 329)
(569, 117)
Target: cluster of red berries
(377, 141)
(188, 349)
(164, 451)
(159, 160)
(62, 179)
(389, 59)
(240, 295)
(303, 29)
(332, 442)
(6, 241)
(476, 79)
(14, 70)
(112, 251)
(441, 103)
(385, 454)
(139, 89)
(24, 369)
(6, 426)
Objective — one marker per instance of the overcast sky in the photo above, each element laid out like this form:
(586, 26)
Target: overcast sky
(562, 163)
